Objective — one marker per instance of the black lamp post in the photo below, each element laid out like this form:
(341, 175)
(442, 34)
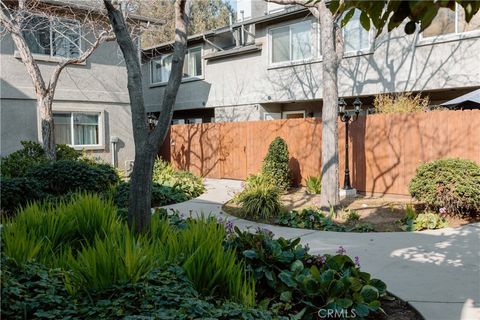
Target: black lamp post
(348, 116)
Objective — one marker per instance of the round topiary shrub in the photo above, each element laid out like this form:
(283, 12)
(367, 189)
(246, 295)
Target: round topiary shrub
(64, 176)
(275, 163)
(453, 184)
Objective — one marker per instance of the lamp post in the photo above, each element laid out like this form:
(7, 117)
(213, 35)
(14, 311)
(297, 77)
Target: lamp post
(348, 116)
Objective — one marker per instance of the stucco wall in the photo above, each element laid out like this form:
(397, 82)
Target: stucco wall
(394, 63)
(99, 85)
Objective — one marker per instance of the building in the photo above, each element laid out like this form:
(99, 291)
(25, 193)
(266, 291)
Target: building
(267, 65)
(91, 106)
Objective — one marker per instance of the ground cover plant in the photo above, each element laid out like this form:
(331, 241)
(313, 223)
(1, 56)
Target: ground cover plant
(79, 259)
(291, 281)
(183, 182)
(92, 250)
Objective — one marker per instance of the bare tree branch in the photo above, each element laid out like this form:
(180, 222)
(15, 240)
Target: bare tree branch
(182, 14)
(10, 24)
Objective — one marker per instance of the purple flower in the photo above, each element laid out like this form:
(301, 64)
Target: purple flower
(228, 227)
(341, 250)
(443, 211)
(357, 261)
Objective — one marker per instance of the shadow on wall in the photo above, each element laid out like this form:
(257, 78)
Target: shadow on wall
(406, 67)
(195, 148)
(295, 171)
(387, 149)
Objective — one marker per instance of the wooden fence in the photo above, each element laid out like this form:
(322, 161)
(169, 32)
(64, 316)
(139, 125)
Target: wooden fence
(384, 149)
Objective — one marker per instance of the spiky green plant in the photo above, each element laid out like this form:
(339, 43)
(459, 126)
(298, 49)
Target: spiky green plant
(314, 185)
(260, 201)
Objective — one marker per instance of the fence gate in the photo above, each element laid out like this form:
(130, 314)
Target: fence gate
(233, 151)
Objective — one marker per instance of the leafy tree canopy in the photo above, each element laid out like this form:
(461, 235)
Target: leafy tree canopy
(391, 13)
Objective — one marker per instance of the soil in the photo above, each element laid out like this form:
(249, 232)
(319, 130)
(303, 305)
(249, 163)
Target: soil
(383, 213)
(398, 310)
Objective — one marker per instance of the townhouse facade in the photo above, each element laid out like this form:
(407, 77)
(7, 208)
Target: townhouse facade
(91, 105)
(268, 65)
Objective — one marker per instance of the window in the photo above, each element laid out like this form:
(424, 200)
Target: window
(293, 114)
(77, 129)
(291, 43)
(355, 37)
(57, 38)
(451, 22)
(192, 67)
(178, 121)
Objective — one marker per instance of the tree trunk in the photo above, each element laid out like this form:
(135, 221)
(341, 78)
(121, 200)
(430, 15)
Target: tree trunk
(329, 195)
(48, 136)
(140, 198)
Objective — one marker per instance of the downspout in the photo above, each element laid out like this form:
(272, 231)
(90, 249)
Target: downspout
(114, 141)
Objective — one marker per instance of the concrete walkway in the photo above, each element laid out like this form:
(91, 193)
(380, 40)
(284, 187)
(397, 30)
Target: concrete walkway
(437, 271)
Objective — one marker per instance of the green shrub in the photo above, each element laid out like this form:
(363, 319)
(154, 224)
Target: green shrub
(275, 163)
(293, 282)
(452, 184)
(308, 219)
(161, 195)
(181, 181)
(18, 191)
(351, 215)
(64, 176)
(260, 201)
(314, 185)
(19, 162)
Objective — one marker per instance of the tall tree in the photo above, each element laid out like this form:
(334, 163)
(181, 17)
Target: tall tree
(332, 54)
(205, 15)
(147, 142)
(27, 18)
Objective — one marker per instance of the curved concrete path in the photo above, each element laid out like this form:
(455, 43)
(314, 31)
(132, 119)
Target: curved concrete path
(437, 271)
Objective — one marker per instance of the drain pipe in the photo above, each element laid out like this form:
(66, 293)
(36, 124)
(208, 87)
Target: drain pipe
(114, 141)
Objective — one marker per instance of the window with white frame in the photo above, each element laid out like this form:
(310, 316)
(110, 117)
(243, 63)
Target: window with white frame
(56, 38)
(77, 128)
(355, 37)
(192, 67)
(451, 22)
(291, 43)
